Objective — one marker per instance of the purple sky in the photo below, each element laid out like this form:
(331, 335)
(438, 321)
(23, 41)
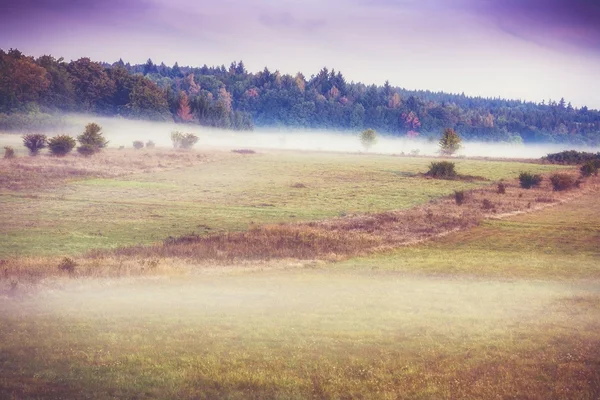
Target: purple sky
(529, 49)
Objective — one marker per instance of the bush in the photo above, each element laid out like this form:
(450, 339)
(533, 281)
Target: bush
(529, 180)
(487, 204)
(91, 138)
(189, 140)
(176, 138)
(150, 144)
(61, 145)
(183, 140)
(442, 170)
(590, 168)
(501, 188)
(87, 149)
(9, 152)
(34, 142)
(562, 182)
(571, 157)
(459, 197)
(68, 265)
(138, 144)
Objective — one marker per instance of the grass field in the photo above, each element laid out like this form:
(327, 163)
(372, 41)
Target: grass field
(559, 243)
(439, 320)
(224, 195)
(507, 309)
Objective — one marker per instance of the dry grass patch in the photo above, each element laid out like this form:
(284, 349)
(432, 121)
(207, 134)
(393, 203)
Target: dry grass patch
(45, 171)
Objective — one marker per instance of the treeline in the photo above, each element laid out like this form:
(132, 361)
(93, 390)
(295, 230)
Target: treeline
(571, 157)
(237, 99)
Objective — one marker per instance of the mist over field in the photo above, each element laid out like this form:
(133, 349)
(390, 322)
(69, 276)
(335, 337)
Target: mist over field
(272, 200)
(122, 132)
(295, 299)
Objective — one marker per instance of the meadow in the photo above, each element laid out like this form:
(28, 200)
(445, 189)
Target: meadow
(506, 306)
(213, 193)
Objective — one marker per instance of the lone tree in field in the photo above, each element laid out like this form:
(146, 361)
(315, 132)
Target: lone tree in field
(34, 142)
(91, 140)
(368, 138)
(450, 142)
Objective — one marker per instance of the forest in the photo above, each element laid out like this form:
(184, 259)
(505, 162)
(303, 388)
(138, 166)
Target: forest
(34, 91)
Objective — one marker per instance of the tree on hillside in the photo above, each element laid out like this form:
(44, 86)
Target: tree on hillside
(21, 79)
(150, 67)
(450, 142)
(184, 113)
(94, 89)
(61, 90)
(32, 89)
(368, 138)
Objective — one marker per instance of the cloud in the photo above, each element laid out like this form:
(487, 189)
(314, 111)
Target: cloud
(550, 23)
(546, 22)
(286, 21)
(91, 9)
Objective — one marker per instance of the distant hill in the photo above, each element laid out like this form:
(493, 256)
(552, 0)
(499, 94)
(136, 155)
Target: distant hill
(234, 98)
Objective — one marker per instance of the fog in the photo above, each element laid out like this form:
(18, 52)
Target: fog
(311, 301)
(122, 132)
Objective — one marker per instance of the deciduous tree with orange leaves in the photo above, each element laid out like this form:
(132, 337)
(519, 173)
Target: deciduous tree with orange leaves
(184, 113)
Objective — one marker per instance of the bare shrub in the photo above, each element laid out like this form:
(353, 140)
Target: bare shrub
(487, 204)
(459, 197)
(68, 265)
(501, 188)
(34, 142)
(562, 182)
(150, 144)
(9, 152)
(138, 144)
(243, 151)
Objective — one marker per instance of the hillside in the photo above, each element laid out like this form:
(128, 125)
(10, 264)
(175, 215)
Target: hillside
(31, 90)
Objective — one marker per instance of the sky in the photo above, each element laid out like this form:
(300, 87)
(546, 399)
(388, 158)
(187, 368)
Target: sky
(521, 49)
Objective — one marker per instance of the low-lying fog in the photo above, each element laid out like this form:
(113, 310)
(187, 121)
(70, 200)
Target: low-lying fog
(308, 300)
(122, 132)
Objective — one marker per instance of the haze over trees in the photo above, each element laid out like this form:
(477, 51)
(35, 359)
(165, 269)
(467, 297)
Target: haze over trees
(233, 98)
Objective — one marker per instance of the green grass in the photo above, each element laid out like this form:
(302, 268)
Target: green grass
(223, 196)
